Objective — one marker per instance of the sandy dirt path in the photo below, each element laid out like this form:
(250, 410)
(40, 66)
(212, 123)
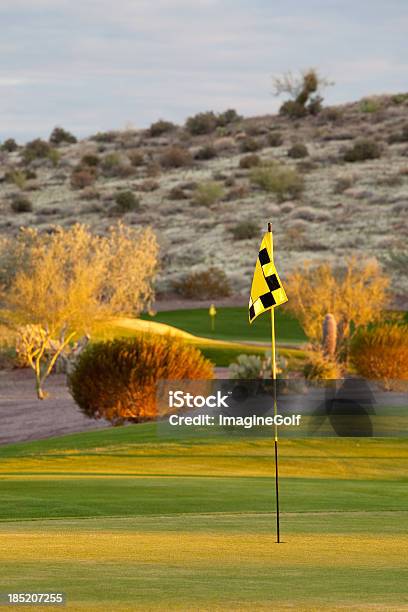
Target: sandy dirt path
(23, 417)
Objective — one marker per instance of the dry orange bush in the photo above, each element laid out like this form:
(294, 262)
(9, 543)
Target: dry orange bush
(381, 353)
(117, 380)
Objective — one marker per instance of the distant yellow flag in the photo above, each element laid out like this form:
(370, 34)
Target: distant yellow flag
(266, 291)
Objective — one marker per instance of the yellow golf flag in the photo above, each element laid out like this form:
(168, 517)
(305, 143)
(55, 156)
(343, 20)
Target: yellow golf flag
(266, 291)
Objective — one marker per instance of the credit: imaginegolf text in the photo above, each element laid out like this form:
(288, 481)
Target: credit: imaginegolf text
(223, 420)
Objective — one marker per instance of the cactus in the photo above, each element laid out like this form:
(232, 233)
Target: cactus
(329, 335)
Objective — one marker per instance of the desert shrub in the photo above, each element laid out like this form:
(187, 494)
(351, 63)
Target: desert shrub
(18, 177)
(208, 284)
(363, 149)
(90, 160)
(381, 353)
(252, 367)
(54, 157)
(303, 90)
(59, 135)
(9, 145)
(370, 105)
(275, 139)
(293, 110)
(202, 123)
(117, 380)
(206, 152)
(315, 105)
(249, 161)
(249, 145)
(36, 149)
(320, 367)
(227, 117)
(277, 178)
(208, 193)
(177, 193)
(160, 127)
(82, 176)
(136, 158)
(244, 230)
(21, 204)
(110, 164)
(105, 137)
(298, 150)
(126, 201)
(176, 157)
(400, 98)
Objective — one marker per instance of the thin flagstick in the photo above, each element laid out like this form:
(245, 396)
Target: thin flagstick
(275, 410)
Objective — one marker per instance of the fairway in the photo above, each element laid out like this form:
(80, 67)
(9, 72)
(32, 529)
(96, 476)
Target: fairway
(120, 519)
(232, 324)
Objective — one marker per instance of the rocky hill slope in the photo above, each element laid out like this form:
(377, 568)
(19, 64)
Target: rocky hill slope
(334, 185)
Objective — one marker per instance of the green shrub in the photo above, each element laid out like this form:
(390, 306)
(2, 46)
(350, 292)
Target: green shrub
(9, 145)
(298, 151)
(249, 145)
(126, 201)
(59, 135)
(104, 137)
(202, 123)
(36, 149)
(176, 157)
(18, 177)
(227, 117)
(21, 204)
(206, 152)
(117, 380)
(110, 164)
(209, 284)
(208, 193)
(54, 157)
(249, 161)
(277, 178)
(318, 367)
(293, 109)
(370, 105)
(252, 367)
(363, 149)
(244, 230)
(398, 99)
(160, 127)
(275, 139)
(381, 353)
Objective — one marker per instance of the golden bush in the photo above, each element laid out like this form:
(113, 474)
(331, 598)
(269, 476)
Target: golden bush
(356, 296)
(381, 353)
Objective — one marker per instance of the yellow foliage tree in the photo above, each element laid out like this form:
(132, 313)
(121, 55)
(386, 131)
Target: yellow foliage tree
(355, 297)
(69, 281)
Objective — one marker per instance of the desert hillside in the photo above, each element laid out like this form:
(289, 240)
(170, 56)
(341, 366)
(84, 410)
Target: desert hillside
(334, 185)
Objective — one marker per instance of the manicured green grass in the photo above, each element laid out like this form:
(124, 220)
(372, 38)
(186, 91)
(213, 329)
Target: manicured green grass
(122, 519)
(232, 324)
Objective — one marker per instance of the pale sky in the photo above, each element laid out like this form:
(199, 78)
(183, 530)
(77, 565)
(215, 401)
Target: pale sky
(91, 65)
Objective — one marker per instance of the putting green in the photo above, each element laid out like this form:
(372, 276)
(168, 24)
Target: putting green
(123, 520)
